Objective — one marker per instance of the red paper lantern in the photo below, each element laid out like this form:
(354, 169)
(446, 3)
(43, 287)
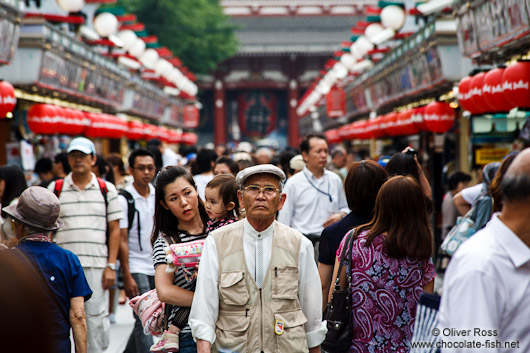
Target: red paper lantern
(464, 95)
(190, 116)
(136, 130)
(77, 122)
(439, 117)
(417, 117)
(42, 119)
(406, 124)
(151, 131)
(336, 102)
(332, 136)
(96, 125)
(346, 132)
(493, 91)
(476, 98)
(7, 98)
(189, 138)
(516, 84)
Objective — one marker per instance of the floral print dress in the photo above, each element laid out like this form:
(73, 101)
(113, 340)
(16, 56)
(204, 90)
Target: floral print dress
(213, 224)
(385, 292)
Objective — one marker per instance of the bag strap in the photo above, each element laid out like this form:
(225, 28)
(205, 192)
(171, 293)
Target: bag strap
(41, 281)
(346, 251)
(58, 187)
(131, 211)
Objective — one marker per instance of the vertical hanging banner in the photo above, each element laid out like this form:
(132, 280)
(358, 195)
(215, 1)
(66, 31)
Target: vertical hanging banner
(336, 102)
(190, 115)
(257, 113)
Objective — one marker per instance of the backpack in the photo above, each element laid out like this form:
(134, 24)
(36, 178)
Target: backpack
(131, 211)
(104, 191)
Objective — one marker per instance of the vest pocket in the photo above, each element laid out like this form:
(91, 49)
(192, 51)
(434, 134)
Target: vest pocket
(231, 331)
(233, 288)
(285, 282)
(293, 338)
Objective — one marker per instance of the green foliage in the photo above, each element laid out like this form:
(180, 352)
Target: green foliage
(196, 31)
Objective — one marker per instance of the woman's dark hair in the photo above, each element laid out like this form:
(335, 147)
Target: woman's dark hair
(43, 165)
(361, 186)
(205, 158)
(402, 164)
(400, 213)
(63, 159)
(165, 221)
(15, 184)
(230, 163)
(104, 169)
(227, 189)
(115, 160)
(495, 186)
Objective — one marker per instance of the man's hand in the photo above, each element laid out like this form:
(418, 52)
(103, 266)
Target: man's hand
(130, 286)
(334, 218)
(109, 278)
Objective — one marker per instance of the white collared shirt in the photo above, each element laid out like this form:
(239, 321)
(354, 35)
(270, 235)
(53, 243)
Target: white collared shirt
(140, 261)
(487, 287)
(306, 209)
(205, 307)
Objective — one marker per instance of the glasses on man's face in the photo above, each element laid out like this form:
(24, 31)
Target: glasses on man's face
(255, 190)
(149, 168)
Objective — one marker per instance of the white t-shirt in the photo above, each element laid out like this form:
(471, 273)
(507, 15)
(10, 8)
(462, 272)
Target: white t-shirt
(201, 180)
(470, 194)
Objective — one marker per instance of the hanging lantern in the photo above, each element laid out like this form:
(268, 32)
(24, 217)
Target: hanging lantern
(137, 48)
(71, 5)
(516, 84)
(372, 31)
(493, 91)
(190, 116)
(106, 24)
(77, 122)
(127, 37)
(149, 58)
(463, 94)
(348, 60)
(475, 94)
(7, 98)
(41, 119)
(417, 117)
(189, 138)
(336, 102)
(136, 130)
(96, 125)
(62, 120)
(439, 117)
(393, 16)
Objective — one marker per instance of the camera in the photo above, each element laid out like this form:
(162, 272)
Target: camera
(412, 151)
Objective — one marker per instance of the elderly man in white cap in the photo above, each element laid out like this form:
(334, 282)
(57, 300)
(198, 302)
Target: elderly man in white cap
(35, 215)
(266, 289)
(91, 212)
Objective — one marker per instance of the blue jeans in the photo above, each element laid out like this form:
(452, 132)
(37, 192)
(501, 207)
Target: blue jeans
(187, 344)
(138, 342)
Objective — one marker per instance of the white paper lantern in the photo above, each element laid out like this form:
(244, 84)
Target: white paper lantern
(340, 70)
(149, 58)
(193, 89)
(347, 60)
(71, 5)
(393, 16)
(381, 37)
(137, 48)
(373, 30)
(106, 24)
(128, 38)
(363, 45)
(323, 87)
(330, 77)
(162, 65)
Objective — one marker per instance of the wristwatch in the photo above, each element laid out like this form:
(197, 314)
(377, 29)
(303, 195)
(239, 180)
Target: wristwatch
(112, 266)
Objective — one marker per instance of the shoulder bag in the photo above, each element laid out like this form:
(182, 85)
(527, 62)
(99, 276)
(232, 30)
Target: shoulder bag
(339, 309)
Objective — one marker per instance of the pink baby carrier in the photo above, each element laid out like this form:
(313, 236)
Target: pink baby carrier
(150, 310)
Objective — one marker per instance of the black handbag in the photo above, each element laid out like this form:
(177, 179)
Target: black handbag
(339, 309)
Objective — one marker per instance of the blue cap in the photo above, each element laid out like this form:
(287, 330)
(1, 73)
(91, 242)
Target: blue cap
(82, 144)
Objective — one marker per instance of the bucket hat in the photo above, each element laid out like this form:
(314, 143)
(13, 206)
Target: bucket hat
(37, 208)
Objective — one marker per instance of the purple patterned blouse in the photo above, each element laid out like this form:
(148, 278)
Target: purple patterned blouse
(385, 292)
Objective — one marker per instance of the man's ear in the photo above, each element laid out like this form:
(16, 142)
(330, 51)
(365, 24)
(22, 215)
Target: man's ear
(230, 206)
(283, 197)
(163, 204)
(240, 198)
(94, 159)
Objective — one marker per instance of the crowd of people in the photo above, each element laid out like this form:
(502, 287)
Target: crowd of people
(269, 230)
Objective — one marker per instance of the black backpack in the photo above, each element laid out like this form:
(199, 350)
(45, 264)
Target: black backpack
(131, 211)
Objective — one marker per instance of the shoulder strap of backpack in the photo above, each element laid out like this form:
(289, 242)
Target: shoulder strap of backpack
(131, 208)
(104, 190)
(58, 187)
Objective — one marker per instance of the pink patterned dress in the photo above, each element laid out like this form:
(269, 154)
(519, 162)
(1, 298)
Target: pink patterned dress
(385, 292)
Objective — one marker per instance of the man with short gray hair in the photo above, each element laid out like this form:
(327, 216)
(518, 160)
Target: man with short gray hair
(486, 296)
(258, 288)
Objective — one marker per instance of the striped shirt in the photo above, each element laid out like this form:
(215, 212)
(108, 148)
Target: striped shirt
(179, 314)
(85, 222)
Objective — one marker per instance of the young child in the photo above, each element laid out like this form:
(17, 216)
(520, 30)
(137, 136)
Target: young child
(221, 201)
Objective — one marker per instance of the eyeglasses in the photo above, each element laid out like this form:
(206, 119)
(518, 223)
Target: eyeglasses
(255, 190)
(149, 168)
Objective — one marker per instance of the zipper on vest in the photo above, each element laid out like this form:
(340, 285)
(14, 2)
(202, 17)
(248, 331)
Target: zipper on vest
(261, 317)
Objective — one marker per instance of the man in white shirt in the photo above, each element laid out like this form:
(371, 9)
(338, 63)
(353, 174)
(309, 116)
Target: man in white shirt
(135, 245)
(315, 196)
(258, 288)
(486, 298)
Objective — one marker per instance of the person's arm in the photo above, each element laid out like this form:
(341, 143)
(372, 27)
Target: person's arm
(130, 285)
(167, 291)
(462, 206)
(78, 323)
(325, 272)
(334, 218)
(205, 307)
(429, 287)
(310, 296)
(109, 276)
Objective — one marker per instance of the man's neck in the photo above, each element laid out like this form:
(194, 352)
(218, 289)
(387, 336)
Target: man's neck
(260, 225)
(143, 190)
(317, 171)
(515, 216)
(81, 180)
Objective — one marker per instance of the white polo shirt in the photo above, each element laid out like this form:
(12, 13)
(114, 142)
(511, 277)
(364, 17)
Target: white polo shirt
(85, 222)
(486, 292)
(140, 249)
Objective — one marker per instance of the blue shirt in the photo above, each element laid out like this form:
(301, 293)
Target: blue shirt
(62, 271)
(332, 236)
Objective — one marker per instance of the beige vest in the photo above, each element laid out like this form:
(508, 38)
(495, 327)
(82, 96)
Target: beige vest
(253, 320)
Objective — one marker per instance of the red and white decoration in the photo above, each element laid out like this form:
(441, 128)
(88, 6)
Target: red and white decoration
(7, 98)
